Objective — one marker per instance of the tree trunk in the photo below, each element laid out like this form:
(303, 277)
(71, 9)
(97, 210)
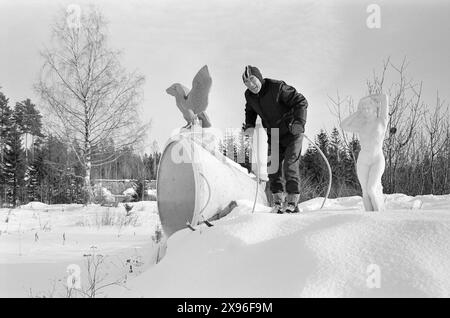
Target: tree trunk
(432, 173)
(87, 164)
(87, 183)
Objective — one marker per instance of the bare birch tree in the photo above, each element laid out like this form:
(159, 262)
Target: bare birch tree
(90, 97)
(435, 123)
(405, 110)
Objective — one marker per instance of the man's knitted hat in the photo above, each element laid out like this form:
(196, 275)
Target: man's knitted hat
(252, 70)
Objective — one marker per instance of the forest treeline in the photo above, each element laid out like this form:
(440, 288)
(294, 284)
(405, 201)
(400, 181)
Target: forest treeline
(41, 167)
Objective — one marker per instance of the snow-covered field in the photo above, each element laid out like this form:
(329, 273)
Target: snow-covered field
(38, 242)
(339, 251)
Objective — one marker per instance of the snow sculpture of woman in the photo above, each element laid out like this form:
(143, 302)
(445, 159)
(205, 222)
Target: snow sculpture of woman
(370, 122)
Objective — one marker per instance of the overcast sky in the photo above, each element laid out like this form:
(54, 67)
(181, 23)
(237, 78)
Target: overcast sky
(316, 46)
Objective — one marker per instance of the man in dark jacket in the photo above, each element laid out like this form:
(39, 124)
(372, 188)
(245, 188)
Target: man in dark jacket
(280, 107)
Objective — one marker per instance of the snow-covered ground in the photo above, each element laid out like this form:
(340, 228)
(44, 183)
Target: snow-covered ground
(38, 242)
(337, 252)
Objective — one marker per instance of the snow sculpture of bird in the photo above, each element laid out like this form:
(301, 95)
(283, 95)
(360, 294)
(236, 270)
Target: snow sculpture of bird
(193, 104)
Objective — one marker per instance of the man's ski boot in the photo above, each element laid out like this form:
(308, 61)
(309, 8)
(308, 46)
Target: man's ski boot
(292, 203)
(277, 206)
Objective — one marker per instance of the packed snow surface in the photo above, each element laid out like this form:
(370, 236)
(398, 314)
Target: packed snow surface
(130, 192)
(339, 251)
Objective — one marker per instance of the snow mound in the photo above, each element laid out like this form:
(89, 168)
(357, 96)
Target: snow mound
(34, 205)
(152, 194)
(336, 252)
(143, 206)
(103, 194)
(130, 192)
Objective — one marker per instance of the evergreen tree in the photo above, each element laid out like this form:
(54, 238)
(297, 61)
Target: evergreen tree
(14, 166)
(343, 166)
(5, 131)
(35, 174)
(230, 147)
(151, 163)
(351, 158)
(314, 171)
(140, 190)
(245, 151)
(355, 148)
(28, 119)
(5, 119)
(335, 147)
(323, 142)
(334, 158)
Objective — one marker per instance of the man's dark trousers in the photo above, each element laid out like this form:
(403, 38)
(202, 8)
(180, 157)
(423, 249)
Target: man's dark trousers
(290, 147)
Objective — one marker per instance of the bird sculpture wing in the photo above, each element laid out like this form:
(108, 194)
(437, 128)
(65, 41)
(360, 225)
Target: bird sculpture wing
(197, 99)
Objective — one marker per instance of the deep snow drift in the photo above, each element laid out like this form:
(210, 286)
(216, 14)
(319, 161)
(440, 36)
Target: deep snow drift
(337, 252)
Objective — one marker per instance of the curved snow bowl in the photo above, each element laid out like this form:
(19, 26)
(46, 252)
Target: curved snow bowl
(195, 184)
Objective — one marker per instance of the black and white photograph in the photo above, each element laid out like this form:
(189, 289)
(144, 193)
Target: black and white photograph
(235, 152)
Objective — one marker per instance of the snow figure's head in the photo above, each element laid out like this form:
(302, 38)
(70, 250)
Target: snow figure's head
(369, 108)
(177, 90)
(253, 79)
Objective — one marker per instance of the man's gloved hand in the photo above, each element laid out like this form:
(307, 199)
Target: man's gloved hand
(296, 127)
(248, 130)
